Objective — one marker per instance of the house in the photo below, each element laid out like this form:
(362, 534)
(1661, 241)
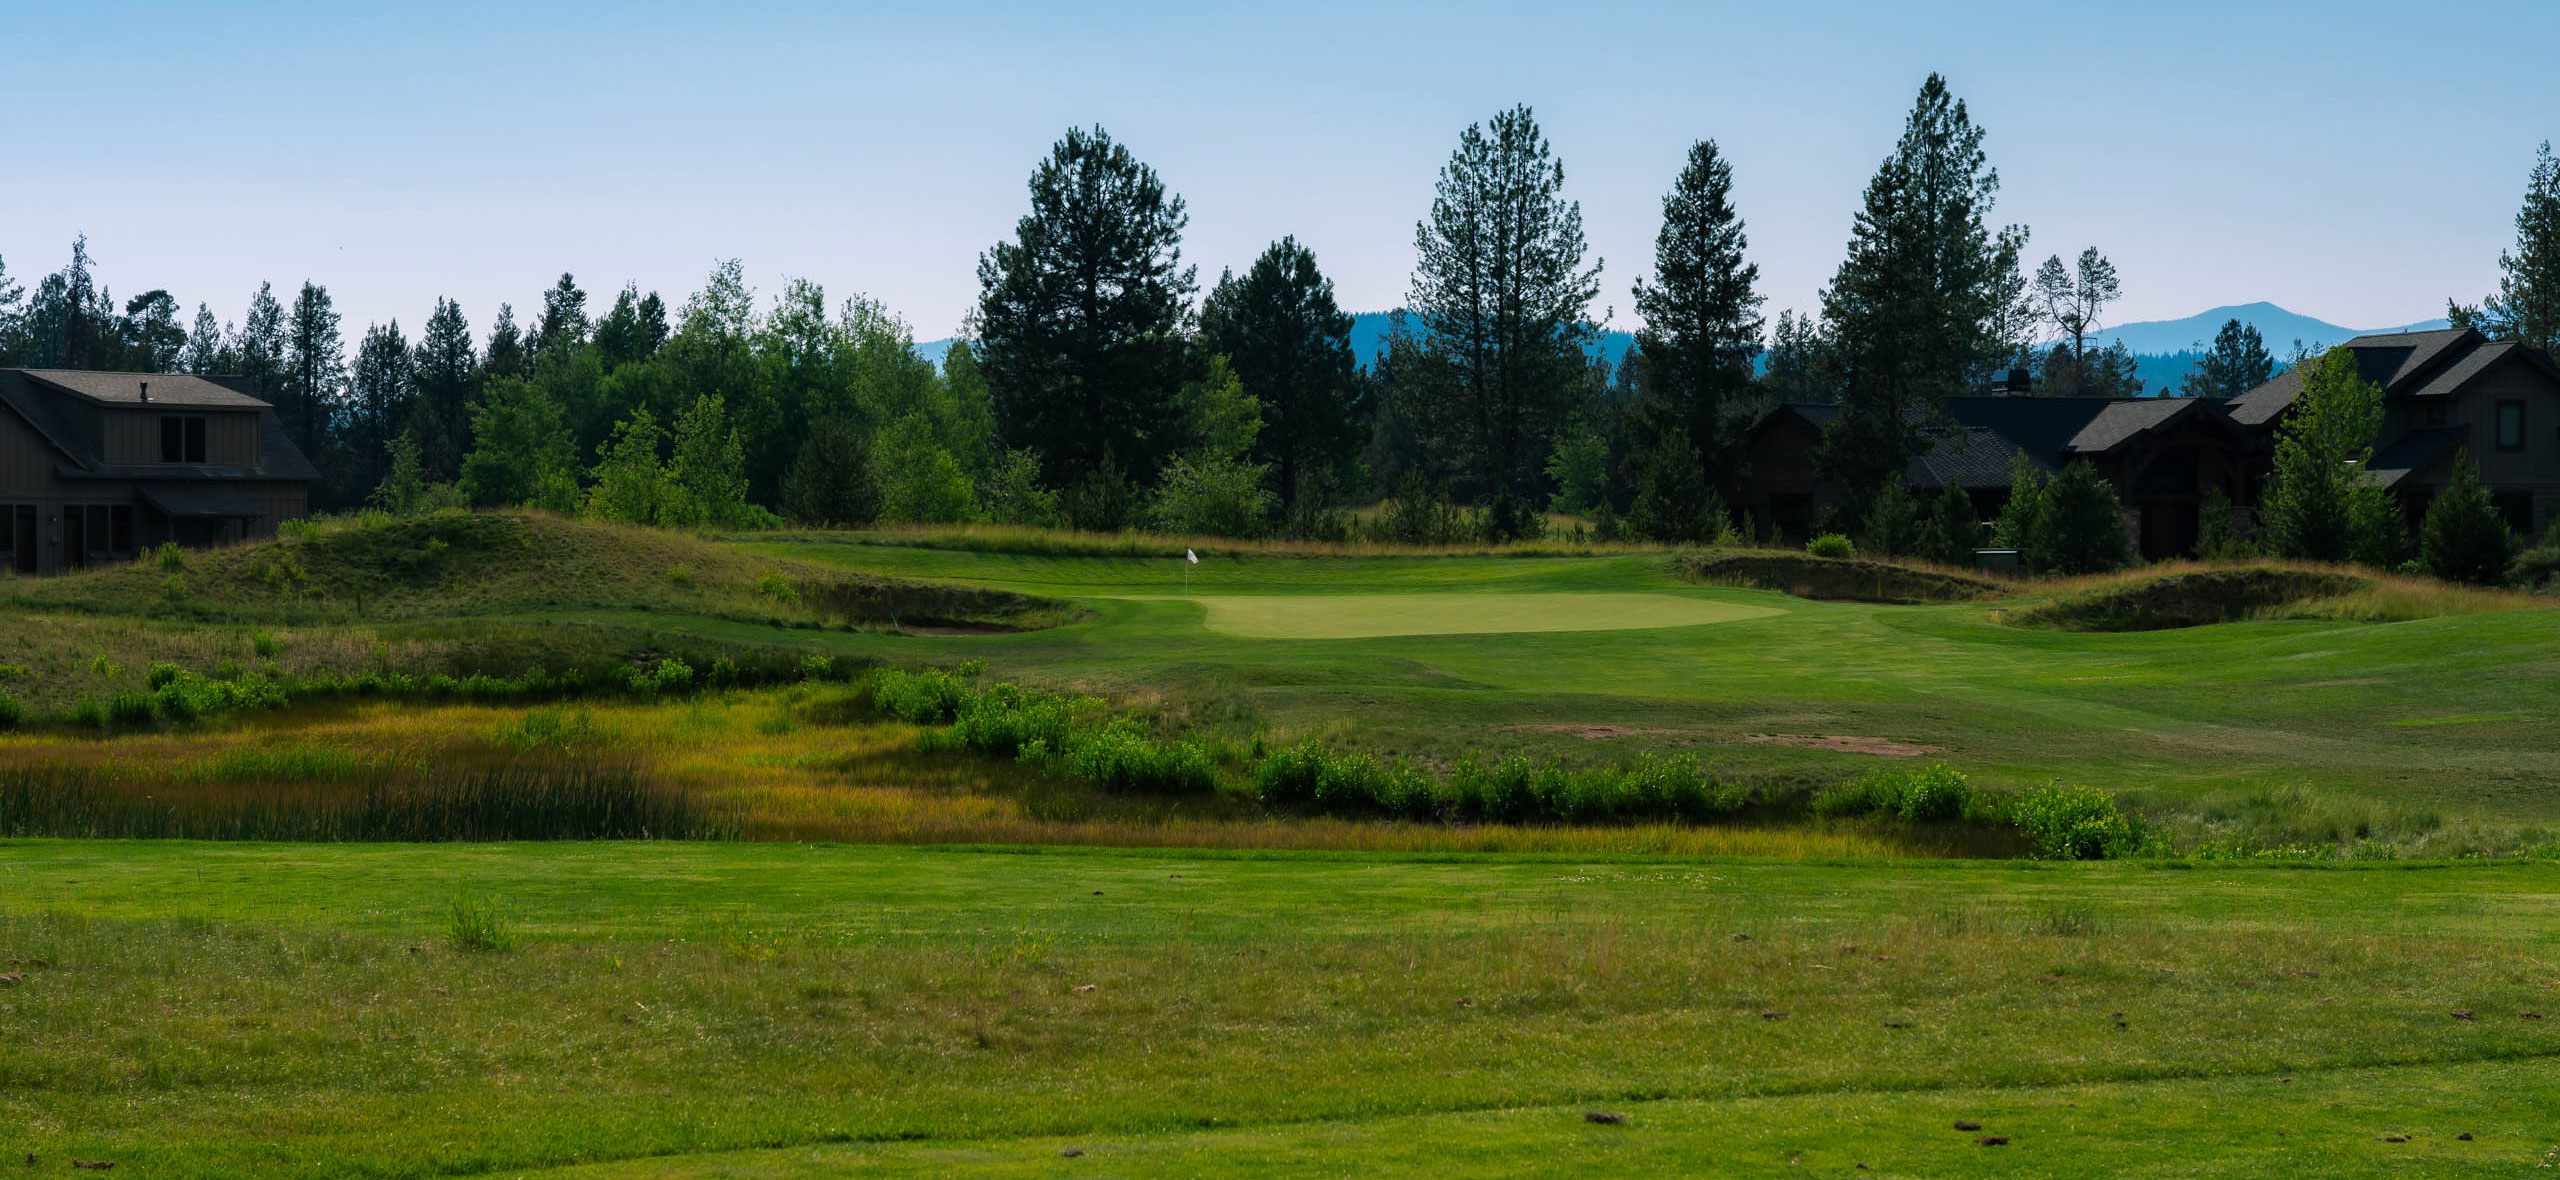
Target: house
(2443, 393)
(2164, 456)
(95, 466)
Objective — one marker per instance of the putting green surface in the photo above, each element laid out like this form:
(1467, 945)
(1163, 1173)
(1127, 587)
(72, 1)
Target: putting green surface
(1364, 616)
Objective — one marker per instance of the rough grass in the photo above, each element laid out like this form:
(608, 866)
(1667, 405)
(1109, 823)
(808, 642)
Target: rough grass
(446, 564)
(1838, 579)
(1363, 616)
(689, 998)
(2258, 588)
(1049, 542)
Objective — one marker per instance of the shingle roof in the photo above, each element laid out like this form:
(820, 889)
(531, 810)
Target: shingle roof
(2120, 421)
(126, 389)
(2405, 364)
(2451, 378)
(1968, 458)
(2414, 452)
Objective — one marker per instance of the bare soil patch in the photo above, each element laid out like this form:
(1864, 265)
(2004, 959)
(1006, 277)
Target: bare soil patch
(1846, 744)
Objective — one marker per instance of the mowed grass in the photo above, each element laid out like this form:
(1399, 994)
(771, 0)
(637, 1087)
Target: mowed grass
(2440, 734)
(1364, 616)
(191, 1009)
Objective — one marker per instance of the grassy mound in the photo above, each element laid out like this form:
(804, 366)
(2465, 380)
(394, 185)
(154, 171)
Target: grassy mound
(456, 563)
(1836, 579)
(2194, 598)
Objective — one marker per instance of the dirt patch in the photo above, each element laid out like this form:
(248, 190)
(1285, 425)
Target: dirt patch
(1846, 744)
(2189, 600)
(1836, 579)
(1596, 733)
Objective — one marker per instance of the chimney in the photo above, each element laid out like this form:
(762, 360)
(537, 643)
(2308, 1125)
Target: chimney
(146, 391)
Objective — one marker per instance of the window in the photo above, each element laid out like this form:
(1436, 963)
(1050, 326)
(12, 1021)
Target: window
(181, 439)
(98, 530)
(120, 528)
(2510, 426)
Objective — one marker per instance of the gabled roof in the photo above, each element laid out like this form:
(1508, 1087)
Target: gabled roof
(1968, 458)
(127, 389)
(1988, 432)
(2434, 364)
(40, 397)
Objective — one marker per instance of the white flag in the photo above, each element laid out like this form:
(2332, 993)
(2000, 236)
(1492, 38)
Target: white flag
(1195, 558)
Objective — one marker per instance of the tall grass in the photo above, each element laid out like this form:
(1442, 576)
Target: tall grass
(1048, 542)
(313, 798)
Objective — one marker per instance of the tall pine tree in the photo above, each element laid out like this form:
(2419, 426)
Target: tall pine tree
(1290, 347)
(2527, 305)
(1701, 317)
(446, 373)
(1502, 299)
(1928, 300)
(383, 389)
(1080, 316)
(315, 368)
(2237, 363)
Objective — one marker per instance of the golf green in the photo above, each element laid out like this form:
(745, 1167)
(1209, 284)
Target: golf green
(1362, 616)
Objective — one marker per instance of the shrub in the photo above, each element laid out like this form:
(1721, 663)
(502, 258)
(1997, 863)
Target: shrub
(88, 713)
(475, 926)
(1119, 756)
(817, 667)
(174, 588)
(2079, 525)
(10, 711)
(2464, 539)
(1934, 793)
(771, 584)
(1218, 497)
(2075, 823)
(929, 697)
(170, 557)
(161, 675)
(672, 675)
(1831, 545)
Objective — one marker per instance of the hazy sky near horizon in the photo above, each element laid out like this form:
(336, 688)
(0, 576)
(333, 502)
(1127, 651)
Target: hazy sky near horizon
(2358, 162)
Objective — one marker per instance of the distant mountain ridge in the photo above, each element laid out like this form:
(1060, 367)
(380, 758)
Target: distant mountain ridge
(2164, 350)
(2280, 328)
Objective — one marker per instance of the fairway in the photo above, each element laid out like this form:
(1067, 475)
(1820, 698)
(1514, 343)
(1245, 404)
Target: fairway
(1368, 616)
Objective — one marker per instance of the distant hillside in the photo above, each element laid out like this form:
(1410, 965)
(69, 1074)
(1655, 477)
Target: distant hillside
(2164, 350)
(2281, 329)
(1368, 341)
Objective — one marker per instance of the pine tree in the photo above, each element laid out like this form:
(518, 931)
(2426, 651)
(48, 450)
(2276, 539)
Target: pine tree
(1957, 528)
(2070, 299)
(12, 317)
(2079, 525)
(1290, 346)
(2309, 510)
(564, 318)
(1701, 316)
(2527, 305)
(262, 344)
(1502, 300)
(1895, 525)
(1080, 316)
(446, 371)
(1800, 364)
(315, 368)
(829, 481)
(2237, 363)
(505, 356)
(1928, 299)
(2465, 539)
(2017, 524)
(633, 330)
(385, 390)
(205, 354)
(1673, 501)
(152, 340)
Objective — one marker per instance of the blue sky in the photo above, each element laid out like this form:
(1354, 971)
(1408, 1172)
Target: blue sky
(2356, 162)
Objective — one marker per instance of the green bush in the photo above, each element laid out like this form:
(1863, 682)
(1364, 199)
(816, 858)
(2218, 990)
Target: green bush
(2075, 823)
(131, 708)
(2464, 538)
(10, 711)
(170, 557)
(2079, 525)
(1831, 545)
(672, 676)
(1933, 793)
(929, 697)
(1121, 757)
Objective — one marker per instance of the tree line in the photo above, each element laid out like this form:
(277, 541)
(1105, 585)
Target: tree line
(1097, 384)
